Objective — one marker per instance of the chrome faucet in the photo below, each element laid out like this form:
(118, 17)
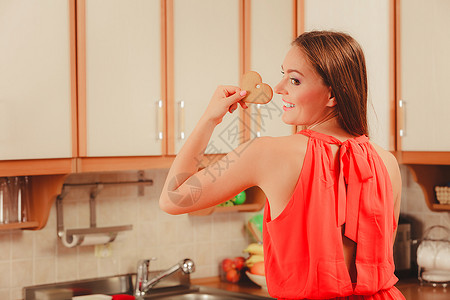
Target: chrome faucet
(143, 284)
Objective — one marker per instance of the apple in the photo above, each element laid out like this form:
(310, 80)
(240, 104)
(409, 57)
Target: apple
(233, 276)
(227, 264)
(239, 262)
(239, 198)
(230, 269)
(258, 268)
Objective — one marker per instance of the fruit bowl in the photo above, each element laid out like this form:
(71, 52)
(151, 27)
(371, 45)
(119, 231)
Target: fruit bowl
(258, 279)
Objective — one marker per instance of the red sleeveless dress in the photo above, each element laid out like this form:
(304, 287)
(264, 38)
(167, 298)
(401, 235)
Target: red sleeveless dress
(303, 250)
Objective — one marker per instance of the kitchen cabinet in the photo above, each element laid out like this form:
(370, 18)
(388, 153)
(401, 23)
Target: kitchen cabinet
(122, 100)
(422, 60)
(142, 89)
(37, 87)
(423, 64)
(204, 51)
(37, 99)
(270, 29)
(376, 38)
(38, 103)
(120, 70)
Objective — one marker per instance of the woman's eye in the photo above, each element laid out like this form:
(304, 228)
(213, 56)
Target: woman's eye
(295, 81)
(282, 73)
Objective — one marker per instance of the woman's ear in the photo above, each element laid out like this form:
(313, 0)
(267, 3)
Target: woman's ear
(332, 100)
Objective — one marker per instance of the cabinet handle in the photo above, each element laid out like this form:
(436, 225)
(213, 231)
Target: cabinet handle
(402, 117)
(181, 121)
(258, 120)
(160, 120)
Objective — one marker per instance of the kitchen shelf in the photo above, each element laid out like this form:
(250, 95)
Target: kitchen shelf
(440, 207)
(22, 225)
(425, 158)
(429, 176)
(44, 189)
(255, 200)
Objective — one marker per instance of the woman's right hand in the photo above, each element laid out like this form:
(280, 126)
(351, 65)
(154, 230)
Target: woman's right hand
(225, 99)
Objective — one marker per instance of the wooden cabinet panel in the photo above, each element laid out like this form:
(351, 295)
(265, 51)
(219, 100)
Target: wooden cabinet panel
(35, 81)
(122, 78)
(424, 61)
(206, 49)
(369, 22)
(271, 33)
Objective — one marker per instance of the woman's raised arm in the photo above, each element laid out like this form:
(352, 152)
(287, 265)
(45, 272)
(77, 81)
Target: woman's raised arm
(186, 188)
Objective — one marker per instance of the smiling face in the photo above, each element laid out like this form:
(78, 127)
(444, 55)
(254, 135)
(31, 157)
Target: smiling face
(306, 99)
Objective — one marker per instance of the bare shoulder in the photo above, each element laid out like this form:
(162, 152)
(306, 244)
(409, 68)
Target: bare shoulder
(390, 161)
(274, 147)
(274, 158)
(388, 158)
(265, 155)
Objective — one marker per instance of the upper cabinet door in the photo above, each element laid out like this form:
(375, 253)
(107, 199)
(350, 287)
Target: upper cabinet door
(121, 100)
(369, 22)
(424, 64)
(35, 80)
(204, 53)
(271, 34)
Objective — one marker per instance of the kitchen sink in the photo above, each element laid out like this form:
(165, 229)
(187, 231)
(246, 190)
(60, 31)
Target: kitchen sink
(203, 293)
(201, 296)
(211, 295)
(175, 287)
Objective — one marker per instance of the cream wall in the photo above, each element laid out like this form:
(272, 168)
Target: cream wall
(38, 257)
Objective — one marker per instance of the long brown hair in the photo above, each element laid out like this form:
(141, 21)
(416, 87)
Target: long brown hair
(339, 60)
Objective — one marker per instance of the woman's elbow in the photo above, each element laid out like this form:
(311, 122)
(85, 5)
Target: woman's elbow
(167, 206)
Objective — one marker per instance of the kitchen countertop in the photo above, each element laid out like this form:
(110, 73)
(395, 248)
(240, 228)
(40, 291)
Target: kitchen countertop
(245, 286)
(410, 288)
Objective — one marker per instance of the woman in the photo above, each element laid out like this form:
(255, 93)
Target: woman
(333, 197)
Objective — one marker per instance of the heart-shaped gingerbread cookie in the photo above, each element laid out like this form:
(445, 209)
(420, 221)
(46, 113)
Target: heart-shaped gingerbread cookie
(257, 91)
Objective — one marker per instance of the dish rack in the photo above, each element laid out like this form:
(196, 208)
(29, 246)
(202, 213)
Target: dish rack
(433, 257)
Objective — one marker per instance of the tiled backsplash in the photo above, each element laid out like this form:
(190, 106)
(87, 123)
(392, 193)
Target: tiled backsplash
(38, 257)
